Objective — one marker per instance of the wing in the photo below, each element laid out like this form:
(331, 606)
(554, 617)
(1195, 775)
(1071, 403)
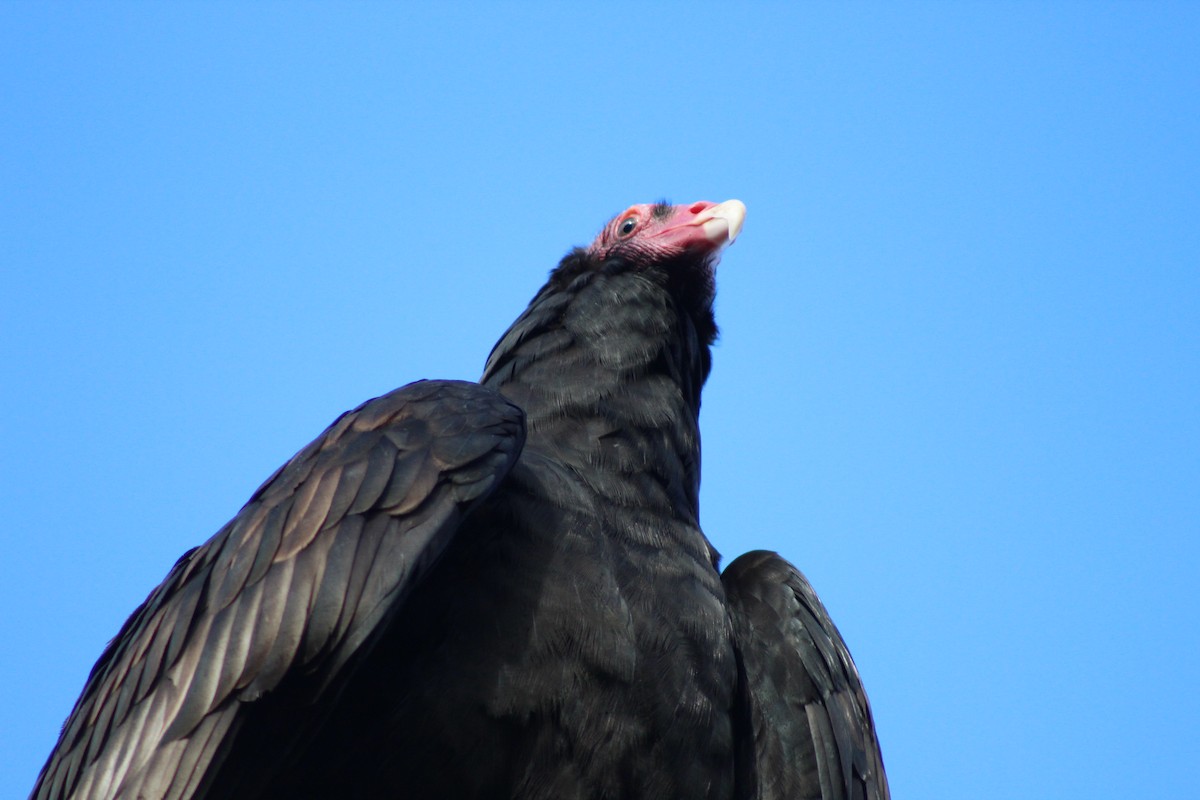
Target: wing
(813, 736)
(295, 584)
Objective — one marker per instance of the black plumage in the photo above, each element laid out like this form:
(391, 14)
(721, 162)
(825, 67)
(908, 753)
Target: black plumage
(493, 590)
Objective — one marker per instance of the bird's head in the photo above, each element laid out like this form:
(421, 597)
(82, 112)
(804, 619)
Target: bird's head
(657, 232)
(676, 247)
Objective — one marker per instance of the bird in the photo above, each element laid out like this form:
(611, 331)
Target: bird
(497, 589)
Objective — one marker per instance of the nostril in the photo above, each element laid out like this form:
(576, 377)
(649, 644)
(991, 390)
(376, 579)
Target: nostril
(696, 208)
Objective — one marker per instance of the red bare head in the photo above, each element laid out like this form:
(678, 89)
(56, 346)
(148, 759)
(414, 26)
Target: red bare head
(663, 231)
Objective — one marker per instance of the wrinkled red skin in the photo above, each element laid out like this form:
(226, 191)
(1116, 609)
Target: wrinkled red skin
(659, 229)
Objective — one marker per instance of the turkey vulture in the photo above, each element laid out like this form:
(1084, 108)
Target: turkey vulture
(493, 590)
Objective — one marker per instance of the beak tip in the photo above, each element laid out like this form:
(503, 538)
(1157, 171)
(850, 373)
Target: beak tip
(735, 212)
(723, 222)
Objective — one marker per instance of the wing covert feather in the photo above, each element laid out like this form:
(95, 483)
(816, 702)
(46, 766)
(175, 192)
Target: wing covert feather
(299, 580)
(813, 734)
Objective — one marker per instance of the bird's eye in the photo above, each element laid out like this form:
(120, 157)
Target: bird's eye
(627, 226)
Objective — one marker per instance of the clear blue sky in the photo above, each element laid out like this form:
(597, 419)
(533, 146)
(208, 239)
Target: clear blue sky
(958, 381)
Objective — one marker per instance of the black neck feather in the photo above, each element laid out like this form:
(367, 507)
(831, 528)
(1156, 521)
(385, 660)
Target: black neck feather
(608, 362)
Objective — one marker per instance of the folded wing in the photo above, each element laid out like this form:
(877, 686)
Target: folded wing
(812, 734)
(295, 585)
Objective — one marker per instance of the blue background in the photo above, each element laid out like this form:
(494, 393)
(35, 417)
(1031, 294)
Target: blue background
(958, 379)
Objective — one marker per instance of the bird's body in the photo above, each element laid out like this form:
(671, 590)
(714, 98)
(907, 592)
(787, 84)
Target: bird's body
(499, 691)
(494, 590)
